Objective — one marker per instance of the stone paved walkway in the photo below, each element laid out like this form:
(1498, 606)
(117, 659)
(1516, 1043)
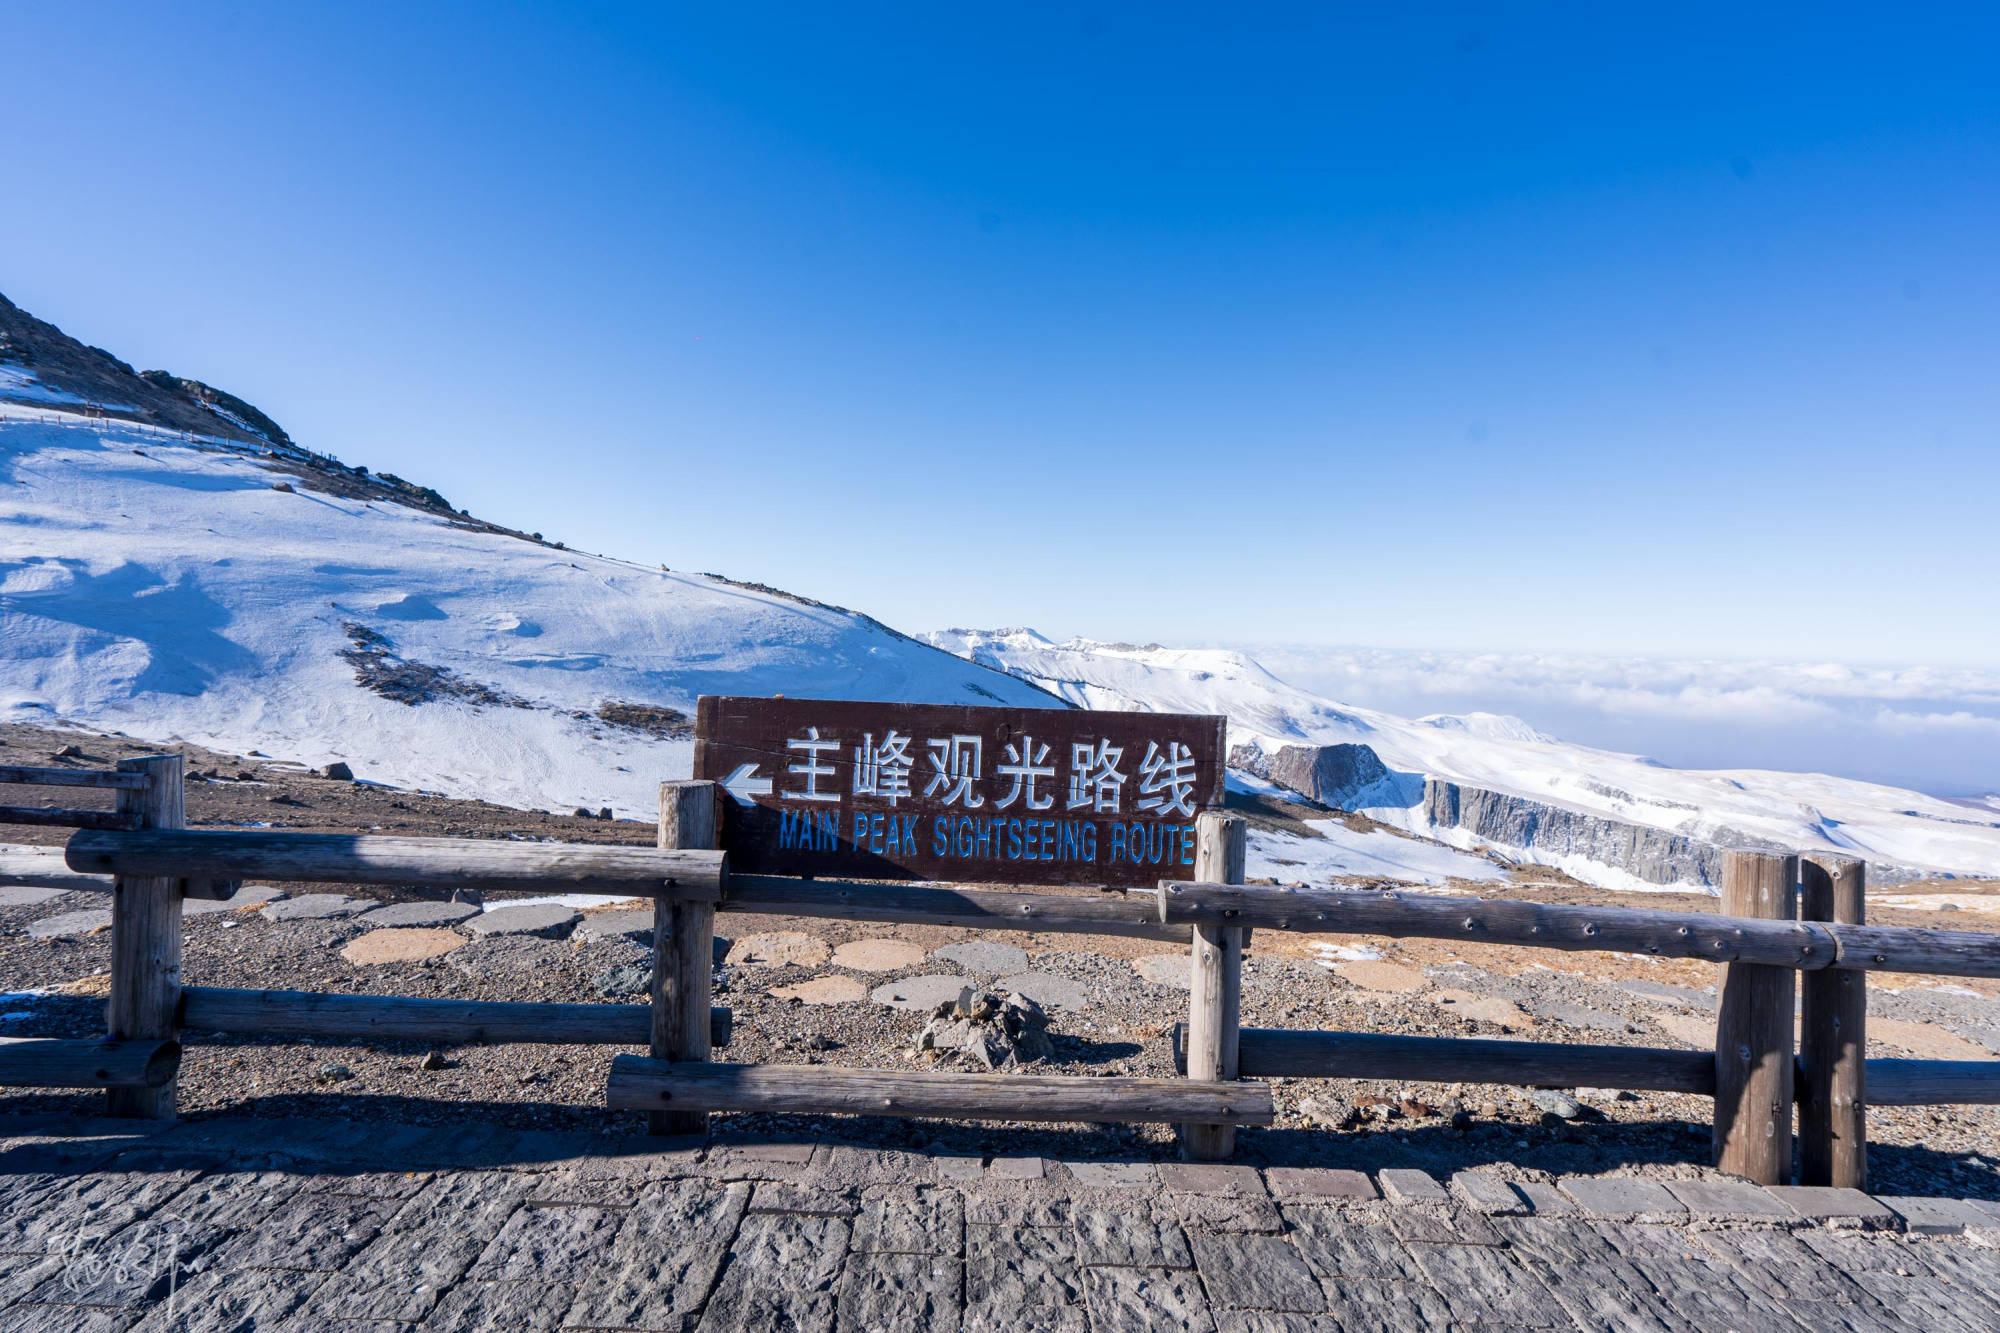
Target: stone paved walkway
(332, 1225)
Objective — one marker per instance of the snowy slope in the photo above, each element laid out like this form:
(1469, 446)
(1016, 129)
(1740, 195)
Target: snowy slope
(165, 589)
(1888, 826)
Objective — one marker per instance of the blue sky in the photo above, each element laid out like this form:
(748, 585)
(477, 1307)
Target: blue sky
(1553, 328)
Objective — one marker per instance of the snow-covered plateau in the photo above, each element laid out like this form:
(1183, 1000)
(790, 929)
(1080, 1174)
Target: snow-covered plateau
(173, 585)
(1483, 781)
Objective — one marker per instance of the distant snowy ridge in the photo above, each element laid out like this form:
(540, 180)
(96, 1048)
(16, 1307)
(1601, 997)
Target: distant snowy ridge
(163, 585)
(1486, 781)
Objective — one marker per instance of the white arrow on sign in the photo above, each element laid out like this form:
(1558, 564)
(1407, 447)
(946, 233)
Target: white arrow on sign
(744, 784)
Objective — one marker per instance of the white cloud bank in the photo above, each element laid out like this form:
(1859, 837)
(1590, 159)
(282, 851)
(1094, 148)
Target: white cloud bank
(1936, 729)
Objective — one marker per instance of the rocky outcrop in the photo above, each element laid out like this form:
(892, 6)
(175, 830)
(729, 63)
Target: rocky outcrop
(1354, 778)
(1550, 832)
(1343, 777)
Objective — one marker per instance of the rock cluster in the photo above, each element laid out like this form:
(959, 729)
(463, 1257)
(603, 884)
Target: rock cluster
(983, 1030)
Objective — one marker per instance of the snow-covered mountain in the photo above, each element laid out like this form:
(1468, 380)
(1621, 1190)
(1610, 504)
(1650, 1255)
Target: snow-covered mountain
(1484, 780)
(172, 565)
(229, 590)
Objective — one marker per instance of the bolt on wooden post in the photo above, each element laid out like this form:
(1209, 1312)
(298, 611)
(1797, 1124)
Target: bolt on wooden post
(1215, 980)
(146, 937)
(683, 948)
(1753, 1031)
(1833, 1094)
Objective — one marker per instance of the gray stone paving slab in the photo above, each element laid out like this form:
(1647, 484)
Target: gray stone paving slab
(1311, 1182)
(919, 992)
(634, 924)
(1485, 1286)
(983, 958)
(1003, 1205)
(1778, 1264)
(1386, 1304)
(1142, 1300)
(959, 1169)
(1717, 1200)
(781, 1274)
(548, 921)
(1829, 1205)
(546, 1239)
(67, 925)
(1114, 1175)
(1488, 1192)
(911, 1221)
(1544, 1199)
(1341, 1250)
(1047, 990)
(308, 1233)
(1129, 1237)
(1612, 1295)
(1407, 1185)
(1033, 1268)
(1929, 1303)
(206, 1302)
(1623, 1197)
(315, 907)
(1226, 1212)
(1256, 1273)
(1437, 1226)
(417, 914)
(659, 1267)
(517, 1307)
(1935, 1217)
(401, 1274)
(21, 895)
(901, 1291)
(1017, 1168)
(777, 1196)
(1556, 1241)
(1212, 1178)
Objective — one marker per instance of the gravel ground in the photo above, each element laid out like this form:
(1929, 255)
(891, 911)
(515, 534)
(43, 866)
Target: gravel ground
(1123, 1025)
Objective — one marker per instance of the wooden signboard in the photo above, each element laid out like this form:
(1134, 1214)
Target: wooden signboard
(841, 789)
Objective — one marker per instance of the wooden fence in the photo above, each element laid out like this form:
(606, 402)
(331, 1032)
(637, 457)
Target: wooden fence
(1781, 918)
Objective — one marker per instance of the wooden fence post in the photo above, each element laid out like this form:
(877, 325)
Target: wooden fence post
(1215, 980)
(683, 948)
(1833, 1106)
(1753, 1030)
(146, 938)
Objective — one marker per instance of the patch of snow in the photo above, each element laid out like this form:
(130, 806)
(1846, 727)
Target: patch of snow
(579, 901)
(1340, 851)
(20, 384)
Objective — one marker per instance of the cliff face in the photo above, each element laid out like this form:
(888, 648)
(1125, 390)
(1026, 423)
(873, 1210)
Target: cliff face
(1353, 777)
(1553, 833)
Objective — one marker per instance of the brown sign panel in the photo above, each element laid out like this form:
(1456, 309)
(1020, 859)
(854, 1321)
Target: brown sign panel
(835, 788)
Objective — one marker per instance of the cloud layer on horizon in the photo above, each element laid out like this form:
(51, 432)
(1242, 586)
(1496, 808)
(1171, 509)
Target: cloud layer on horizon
(1935, 729)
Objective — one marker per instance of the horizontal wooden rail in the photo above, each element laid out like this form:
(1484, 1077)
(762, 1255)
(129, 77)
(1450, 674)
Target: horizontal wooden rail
(106, 778)
(1724, 939)
(456, 863)
(848, 900)
(1933, 1082)
(82, 819)
(45, 1062)
(1282, 1053)
(640, 1084)
(440, 1022)
(44, 868)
